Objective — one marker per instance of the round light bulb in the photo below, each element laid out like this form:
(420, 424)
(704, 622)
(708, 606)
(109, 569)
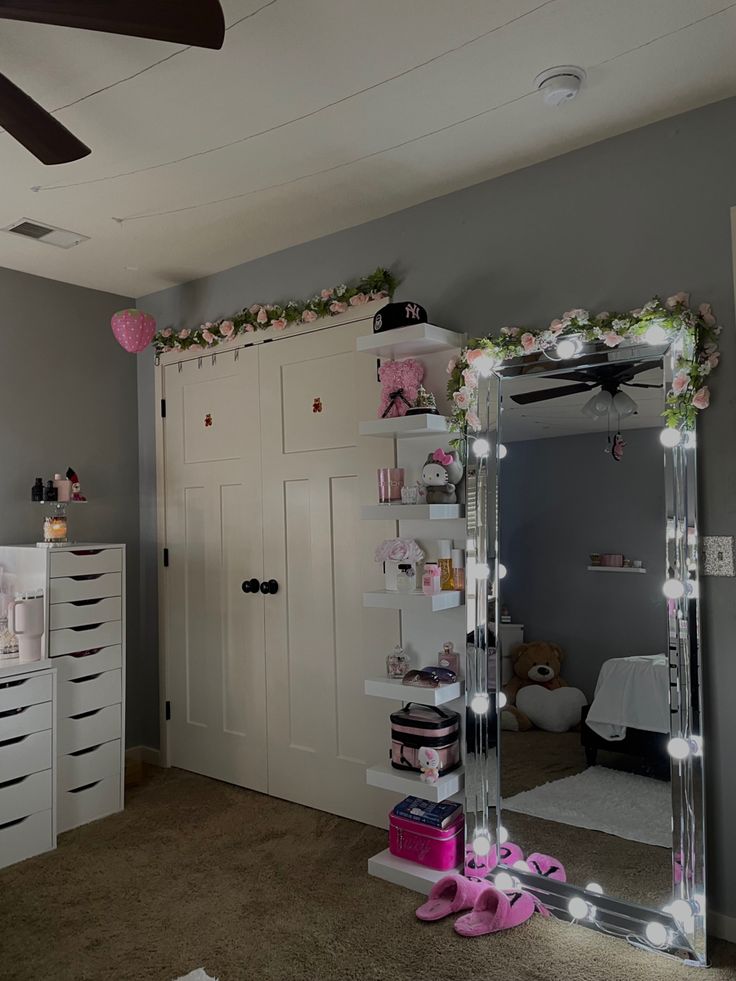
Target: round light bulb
(681, 910)
(657, 934)
(670, 437)
(568, 347)
(522, 866)
(501, 700)
(481, 447)
(479, 703)
(502, 451)
(481, 570)
(656, 334)
(484, 365)
(502, 570)
(505, 882)
(679, 748)
(594, 888)
(481, 844)
(503, 835)
(578, 908)
(673, 589)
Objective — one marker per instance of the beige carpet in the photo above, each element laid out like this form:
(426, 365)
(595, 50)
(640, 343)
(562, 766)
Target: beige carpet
(196, 873)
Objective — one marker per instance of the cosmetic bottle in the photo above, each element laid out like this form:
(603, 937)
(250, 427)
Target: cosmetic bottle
(63, 487)
(458, 569)
(444, 550)
(431, 579)
(448, 657)
(37, 490)
(397, 663)
(50, 493)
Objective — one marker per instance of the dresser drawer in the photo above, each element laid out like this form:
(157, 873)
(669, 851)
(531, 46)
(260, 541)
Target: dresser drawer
(90, 729)
(25, 755)
(91, 692)
(84, 612)
(26, 837)
(25, 795)
(85, 562)
(89, 802)
(20, 722)
(71, 640)
(19, 692)
(92, 662)
(88, 765)
(69, 590)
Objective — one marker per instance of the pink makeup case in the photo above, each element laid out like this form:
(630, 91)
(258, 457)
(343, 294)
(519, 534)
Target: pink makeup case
(415, 726)
(436, 848)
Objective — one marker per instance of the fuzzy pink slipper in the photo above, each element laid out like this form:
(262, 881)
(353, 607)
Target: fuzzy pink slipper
(450, 895)
(495, 910)
(546, 866)
(479, 866)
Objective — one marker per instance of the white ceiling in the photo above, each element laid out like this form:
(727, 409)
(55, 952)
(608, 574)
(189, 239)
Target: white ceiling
(431, 96)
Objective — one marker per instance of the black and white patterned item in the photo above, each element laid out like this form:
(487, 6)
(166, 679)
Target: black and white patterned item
(395, 315)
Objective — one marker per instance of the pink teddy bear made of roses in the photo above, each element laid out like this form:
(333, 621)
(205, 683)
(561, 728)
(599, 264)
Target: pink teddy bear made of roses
(400, 382)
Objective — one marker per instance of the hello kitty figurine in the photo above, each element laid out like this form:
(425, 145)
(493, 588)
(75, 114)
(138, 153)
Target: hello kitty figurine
(441, 475)
(429, 761)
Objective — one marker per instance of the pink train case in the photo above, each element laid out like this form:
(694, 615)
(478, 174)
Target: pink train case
(436, 848)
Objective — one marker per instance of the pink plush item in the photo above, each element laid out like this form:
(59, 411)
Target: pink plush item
(479, 866)
(400, 381)
(133, 329)
(450, 895)
(495, 910)
(546, 866)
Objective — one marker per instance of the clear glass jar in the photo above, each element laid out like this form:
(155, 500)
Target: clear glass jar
(55, 528)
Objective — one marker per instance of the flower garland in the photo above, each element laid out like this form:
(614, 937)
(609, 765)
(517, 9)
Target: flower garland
(688, 395)
(260, 316)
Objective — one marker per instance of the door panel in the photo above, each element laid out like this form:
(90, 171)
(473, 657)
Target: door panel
(215, 631)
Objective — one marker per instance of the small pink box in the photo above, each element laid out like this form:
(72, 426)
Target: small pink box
(436, 848)
(612, 559)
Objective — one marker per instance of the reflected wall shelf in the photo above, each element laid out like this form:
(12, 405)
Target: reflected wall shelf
(403, 873)
(399, 426)
(393, 688)
(415, 602)
(405, 782)
(411, 341)
(412, 512)
(614, 568)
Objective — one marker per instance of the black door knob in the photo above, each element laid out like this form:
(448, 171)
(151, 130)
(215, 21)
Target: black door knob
(269, 587)
(250, 586)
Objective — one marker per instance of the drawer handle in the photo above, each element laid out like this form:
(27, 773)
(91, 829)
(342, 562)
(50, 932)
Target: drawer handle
(87, 602)
(86, 551)
(15, 683)
(9, 824)
(15, 711)
(91, 575)
(85, 715)
(83, 752)
(89, 677)
(13, 741)
(87, 786)
(87, 626)
(92, 650)
(11, 783)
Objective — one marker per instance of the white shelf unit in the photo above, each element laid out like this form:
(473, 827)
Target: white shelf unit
(408, 874)
(425, 424)
(407, 784)
(394, 689)
(412, 341)
(614, 568)
(411, 512)
(387, 599)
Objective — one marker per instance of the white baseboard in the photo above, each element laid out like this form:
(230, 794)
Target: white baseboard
(722, 926)
(144, 754)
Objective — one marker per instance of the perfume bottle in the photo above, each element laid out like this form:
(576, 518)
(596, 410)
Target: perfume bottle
(37, 490)
(448, 657)
(397, 663)
(431, 579)
(444, 550)
(458, 569)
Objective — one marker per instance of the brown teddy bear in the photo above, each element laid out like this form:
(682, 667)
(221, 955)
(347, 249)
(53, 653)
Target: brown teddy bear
(536, 663)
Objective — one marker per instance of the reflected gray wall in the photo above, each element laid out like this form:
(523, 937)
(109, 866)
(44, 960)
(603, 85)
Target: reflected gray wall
(604, 227)
(561, 499)
(68, 398)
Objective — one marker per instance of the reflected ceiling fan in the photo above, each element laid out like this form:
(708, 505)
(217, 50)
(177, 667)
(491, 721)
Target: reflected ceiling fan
(609, 378)
(199, 23)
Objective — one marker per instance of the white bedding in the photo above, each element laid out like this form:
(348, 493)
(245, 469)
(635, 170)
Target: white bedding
(631, 691)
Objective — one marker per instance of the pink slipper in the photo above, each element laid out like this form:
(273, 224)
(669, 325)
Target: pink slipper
(479, 866)
(546, 866)
(495, 910)
(450, 895)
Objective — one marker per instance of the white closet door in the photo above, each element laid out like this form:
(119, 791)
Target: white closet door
(320, 642)
(215, 631)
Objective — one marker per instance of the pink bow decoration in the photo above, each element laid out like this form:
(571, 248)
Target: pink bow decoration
(133, 329)
(439, 456)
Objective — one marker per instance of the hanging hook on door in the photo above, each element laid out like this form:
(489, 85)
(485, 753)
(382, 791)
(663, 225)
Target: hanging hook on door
(214, 359)
(199, 362)
(180, 366)
(237, 354)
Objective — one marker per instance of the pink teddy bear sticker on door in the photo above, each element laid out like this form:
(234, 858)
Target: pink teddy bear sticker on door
(400, 382)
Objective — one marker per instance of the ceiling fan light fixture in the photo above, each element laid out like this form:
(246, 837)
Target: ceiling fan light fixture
(623, 404)
(599, 404)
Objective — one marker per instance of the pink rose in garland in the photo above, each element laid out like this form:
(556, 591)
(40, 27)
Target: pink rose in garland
(528, 341)
(680, 382)
(184, 333)
(612, 339)
(337, 307)
(309, 316)
(262, 316)
(208, 336)
(359, 299)
(279, 324)
(701, 399)
(227, 328)
(133, 329)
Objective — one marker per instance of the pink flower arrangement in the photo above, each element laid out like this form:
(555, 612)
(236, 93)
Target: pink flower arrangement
(528, 342)
(262, 316)
(701, 399)
(279, 324)
(208, 336)
(472, 356)
(706, 312)
(359, 299)
(184, 333)
(612, 339)
(463, 397)
(399, 550)
(309, 316)
(167, 332)
(680, 382)
(326, 294)
(338, 307)
(470, 377)
(510, 331)
(672, 301)
(254, 309)
(556, 327)
(227, 328)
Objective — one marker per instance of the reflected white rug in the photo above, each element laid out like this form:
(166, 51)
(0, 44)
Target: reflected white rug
(623, 804)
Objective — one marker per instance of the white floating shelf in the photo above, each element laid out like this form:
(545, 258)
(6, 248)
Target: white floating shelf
(393, 688)
(390, 600)
(419, 425)
(401, 872)
(383, 775)
(406, 342)
(614, 568)
(412, 512)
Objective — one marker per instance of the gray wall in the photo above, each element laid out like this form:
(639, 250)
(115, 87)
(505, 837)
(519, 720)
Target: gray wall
(604, 227)
(68, 398)
(561, 499)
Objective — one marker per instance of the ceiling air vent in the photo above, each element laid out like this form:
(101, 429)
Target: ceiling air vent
(60, 237)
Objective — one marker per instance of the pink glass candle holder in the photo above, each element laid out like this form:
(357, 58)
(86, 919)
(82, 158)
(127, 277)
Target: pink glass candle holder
(390, 482)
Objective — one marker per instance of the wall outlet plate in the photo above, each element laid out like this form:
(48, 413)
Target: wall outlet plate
(717, 555)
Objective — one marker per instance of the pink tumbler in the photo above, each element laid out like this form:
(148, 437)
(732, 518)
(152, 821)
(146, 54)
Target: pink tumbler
(390, 482)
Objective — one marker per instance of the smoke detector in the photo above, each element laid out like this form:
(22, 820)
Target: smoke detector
(60, 237)
(560, 84)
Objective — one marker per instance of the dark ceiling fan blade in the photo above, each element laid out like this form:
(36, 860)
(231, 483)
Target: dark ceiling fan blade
(35, 128)
(639, 385)
(197, 22)
(526, 398)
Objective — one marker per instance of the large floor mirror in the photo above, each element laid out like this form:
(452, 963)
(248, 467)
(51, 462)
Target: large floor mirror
(584, 755)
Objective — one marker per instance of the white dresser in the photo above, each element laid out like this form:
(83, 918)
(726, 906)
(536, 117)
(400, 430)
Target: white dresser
(84, 586)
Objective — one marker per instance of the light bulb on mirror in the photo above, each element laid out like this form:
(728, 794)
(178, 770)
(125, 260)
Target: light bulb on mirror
(578, 908)
(501, 451)
(670, 437)
(680, 748)
(481, 570)
(673, 589)
(484, 365)
(480, 703)
(683, 912)
(657, 934)
(568, 347)
(481, 448)
(501, 700)
(522, 866)
(656, 334)
(503, 835)
(481, 844)
(594, 888)
(502, 570)
(506, 882)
